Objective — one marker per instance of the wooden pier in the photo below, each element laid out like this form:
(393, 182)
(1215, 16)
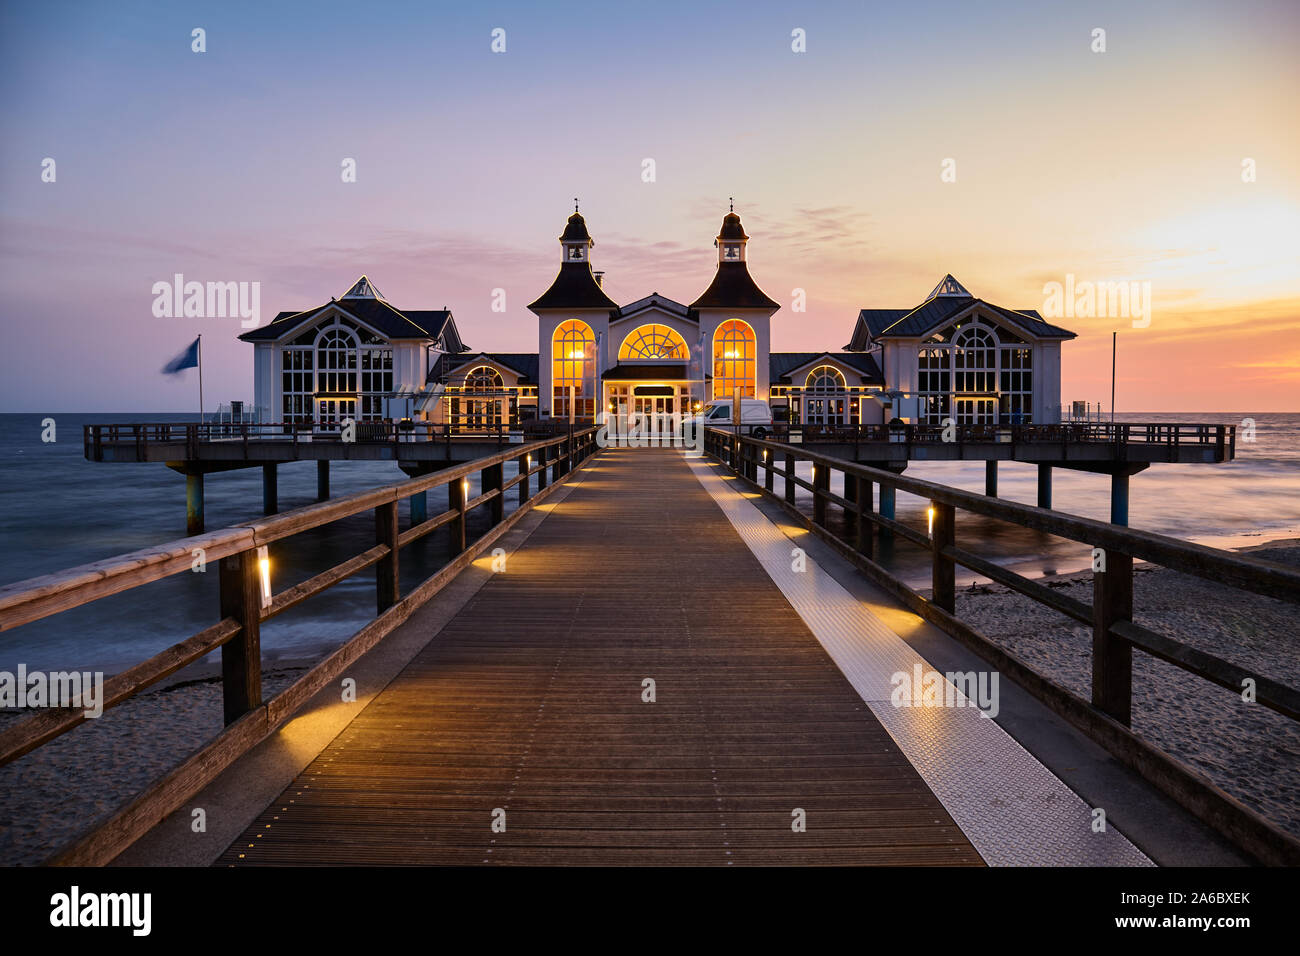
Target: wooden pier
(535, 700)
(531, 701)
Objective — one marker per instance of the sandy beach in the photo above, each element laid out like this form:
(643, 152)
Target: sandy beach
(1250, 751)
(51, 794)
(1253, 753)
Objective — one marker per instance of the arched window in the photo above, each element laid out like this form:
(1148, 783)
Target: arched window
(483, 403)
(651, 342)
(573, 364)
(734, 365)
(974, 360)
(336, 361)
(825, 378)
(826, 397)
(484, 379)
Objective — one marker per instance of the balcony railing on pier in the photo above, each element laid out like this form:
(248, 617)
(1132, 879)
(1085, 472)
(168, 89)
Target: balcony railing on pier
(1223, 437)
(188, 436)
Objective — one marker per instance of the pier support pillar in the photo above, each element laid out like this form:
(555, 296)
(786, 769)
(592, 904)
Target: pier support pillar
(887, 495)
(1119, 498)
(322, 481)
(194, 503)
(270, 489)
(1044, 486)
(991, 478)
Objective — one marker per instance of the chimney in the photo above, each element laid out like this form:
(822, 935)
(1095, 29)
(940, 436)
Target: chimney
(599, 276)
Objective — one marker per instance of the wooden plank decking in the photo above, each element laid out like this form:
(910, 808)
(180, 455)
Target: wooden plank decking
(530, 700)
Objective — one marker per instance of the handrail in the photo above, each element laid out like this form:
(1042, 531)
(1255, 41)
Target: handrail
(1172, 434)
(242, 606)
(1107, 716)
(38, 597)
(1252, 574)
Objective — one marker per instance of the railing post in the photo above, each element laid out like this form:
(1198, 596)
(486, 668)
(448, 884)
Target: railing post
(821, 483)
(241, 656)
(864, 522)
(541, 470)
(943, 576)
(387, 589)
(522, 464)
(457, 493)
(768, 471)
(492, 480)
(789, 478)
(1112, 658)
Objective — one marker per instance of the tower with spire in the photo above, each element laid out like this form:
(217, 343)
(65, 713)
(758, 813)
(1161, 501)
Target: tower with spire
(735, 318)
(574, 311)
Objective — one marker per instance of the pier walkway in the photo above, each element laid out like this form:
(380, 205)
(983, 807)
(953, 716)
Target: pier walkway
(532, 709)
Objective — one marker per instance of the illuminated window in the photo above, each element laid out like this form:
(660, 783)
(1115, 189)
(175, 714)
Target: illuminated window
(484, 379)
(825, 378)
(573, 364)
(483, 412)
(826, 397)
(734, 366)
(653, 342)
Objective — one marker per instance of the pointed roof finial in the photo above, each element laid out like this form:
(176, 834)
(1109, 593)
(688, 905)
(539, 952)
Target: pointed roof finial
(732, 200)
(575, 203)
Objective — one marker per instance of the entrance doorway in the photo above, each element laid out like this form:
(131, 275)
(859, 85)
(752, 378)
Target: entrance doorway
(977, 411)
(332, 412)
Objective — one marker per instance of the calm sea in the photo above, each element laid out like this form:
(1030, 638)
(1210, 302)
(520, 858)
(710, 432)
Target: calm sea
(58, 510)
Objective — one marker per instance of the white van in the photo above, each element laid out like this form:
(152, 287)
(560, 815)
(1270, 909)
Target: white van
(755, 416)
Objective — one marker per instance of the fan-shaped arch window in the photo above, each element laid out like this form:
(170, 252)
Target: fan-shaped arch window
(484, 379)
(573, 365)
(974, 357)
(336, 361)
(734, 349)
(825, 378)
(651, 342)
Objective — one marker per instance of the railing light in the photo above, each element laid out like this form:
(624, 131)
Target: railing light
(929, 514)
(264, 566)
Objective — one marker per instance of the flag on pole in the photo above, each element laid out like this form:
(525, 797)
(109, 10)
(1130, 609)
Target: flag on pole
(187, 359)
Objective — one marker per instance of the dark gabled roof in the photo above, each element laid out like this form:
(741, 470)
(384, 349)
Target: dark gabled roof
(655, 300)
(733, 288)
(524, 363)
(781, 364)
(871, 322)
(376, 313)
(574, 288)
(903, 323)
(637, 372)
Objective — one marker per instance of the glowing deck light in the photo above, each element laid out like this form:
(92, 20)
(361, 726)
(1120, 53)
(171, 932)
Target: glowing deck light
(929, 514)
(264, 566)
(464, 488)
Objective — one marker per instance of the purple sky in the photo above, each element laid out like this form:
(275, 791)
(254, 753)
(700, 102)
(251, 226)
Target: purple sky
(225, 166)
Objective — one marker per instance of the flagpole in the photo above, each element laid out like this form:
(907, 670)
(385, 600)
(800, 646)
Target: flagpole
(200, 379)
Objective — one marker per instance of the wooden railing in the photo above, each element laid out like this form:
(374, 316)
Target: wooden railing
(1107, 716)
(188, 436)
(1222, 437)
(243, 608)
